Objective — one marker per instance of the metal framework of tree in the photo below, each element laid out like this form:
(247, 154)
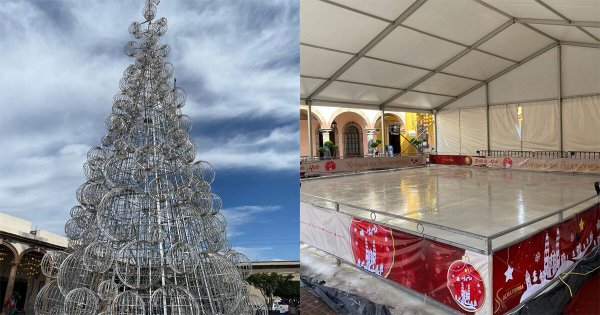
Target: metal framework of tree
(148, 236)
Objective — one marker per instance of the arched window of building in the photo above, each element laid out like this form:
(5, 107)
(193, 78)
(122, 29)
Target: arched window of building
(352, 140)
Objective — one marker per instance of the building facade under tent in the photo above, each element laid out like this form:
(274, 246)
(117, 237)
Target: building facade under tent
(502, 97)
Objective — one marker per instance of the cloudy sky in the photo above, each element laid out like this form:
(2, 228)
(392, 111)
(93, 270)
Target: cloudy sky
(238, 60)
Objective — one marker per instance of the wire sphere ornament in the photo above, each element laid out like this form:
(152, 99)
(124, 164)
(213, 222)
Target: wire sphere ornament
(241, 262)
(135, 257)
(73, 275)
(108, 290)
(183, 258)
(49, 300)
(50, 264)
(221, 276)
(127, 303)
(98, 257)
(81, 301)
(173, 300)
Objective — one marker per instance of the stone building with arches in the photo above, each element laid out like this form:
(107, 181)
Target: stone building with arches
(21, 251)
(353, 130)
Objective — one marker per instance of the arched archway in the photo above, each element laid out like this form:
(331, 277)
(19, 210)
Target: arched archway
(353, 145)
(344, 117)
(29, 277)
(393, 128)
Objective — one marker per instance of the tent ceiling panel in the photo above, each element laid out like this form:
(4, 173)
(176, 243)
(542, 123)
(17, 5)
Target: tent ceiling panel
(410, 47)
(473, 99)
(581, 70)
(580, 10)
(445, 84)
(594, 30)
(464, 21)
(420, 100)
(536, 79)
(307, 85)
(565, 33)
(334, 27)
(320, 62)
(478, 65)
(522, 8)
(349, 92)
(386, 9)
(516, 42)
(382, 73)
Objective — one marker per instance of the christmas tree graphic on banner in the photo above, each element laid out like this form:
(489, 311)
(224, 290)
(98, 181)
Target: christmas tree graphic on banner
(148, 236)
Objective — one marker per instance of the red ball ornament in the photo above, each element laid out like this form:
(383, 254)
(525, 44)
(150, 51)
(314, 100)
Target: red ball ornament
(372, 246)
(466, 285)
(330, 166)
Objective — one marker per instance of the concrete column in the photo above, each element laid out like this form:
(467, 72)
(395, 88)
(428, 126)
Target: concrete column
(11, 282)
(30, 285)
(371, 133)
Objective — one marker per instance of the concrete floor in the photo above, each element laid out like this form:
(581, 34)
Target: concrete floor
(477, 200)
(322, 266)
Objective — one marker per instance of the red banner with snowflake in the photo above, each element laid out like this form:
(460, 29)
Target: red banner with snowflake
(442, 272)
(522, 269)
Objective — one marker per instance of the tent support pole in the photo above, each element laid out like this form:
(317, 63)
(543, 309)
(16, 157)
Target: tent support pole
(383, 150)
(310, 140)
(487, 114)
(435, 112)
(559, 97)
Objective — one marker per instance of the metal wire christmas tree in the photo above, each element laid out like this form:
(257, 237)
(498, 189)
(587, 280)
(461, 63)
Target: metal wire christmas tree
(148, 236)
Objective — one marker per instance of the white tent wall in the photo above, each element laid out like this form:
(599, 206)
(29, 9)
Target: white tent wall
(505, 133)
(540, 127)
(462, 131)
(473, 130)
(581, 124)
(448, 136)
(535, 86)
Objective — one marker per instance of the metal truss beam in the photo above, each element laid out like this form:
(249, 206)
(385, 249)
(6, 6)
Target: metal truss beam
(369, 46)
(551, 9)
(379, 85)
(588, 45)
(350, 104)
(558, 22)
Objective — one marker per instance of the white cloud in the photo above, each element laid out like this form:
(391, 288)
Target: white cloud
(274, 151)
(238, 217)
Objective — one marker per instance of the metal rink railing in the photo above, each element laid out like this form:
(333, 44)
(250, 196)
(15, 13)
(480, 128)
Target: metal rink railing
(483, 244)
(542, 154)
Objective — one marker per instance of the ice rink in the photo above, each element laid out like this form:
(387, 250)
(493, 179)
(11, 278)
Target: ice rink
(481, 201)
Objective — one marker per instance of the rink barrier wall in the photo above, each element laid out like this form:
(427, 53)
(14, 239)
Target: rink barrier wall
(501, 302)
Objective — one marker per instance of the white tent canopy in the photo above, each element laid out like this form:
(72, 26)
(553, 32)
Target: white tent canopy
(441, 56)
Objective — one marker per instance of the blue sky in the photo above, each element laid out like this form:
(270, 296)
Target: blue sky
(239, 63)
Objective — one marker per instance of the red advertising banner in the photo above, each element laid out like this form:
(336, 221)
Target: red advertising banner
(442, 272)
(358, 164)
(560, 165)
(451, 159)
(522, 269)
